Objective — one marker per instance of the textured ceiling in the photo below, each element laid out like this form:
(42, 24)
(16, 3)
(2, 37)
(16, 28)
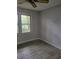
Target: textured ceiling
(40, 6)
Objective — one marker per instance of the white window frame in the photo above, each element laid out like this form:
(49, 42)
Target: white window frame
(20, 24)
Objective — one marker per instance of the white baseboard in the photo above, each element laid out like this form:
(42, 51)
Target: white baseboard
(39, 39)
(27, 41)
(51, 43)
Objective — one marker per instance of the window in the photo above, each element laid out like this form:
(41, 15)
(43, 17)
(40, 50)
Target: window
(25, 23)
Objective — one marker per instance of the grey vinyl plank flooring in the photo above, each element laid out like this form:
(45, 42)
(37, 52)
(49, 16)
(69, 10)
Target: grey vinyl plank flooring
(38, 50)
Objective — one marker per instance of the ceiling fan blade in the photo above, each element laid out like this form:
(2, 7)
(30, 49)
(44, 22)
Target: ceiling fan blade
(42, 1)
(33, 4)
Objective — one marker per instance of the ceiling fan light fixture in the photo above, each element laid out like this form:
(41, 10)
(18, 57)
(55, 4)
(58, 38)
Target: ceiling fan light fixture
(32, 2)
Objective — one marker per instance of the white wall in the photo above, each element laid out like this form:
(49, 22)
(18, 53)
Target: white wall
(34, 26)
(51, 26)
(45, 25)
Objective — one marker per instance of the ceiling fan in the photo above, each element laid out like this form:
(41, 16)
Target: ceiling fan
(32, 2)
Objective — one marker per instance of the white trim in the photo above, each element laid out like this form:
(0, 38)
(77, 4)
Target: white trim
(50, 43)
(27, 41)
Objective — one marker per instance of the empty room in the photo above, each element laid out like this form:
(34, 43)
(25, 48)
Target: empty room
(38, 29)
